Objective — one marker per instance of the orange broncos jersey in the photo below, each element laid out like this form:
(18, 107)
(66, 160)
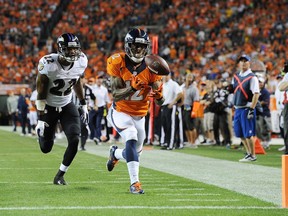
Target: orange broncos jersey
(137, 103)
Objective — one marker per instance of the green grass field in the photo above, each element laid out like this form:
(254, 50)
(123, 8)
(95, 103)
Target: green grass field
(26, 185)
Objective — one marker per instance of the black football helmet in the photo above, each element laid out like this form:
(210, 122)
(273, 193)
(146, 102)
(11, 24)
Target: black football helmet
(137, 44)
(69, 47)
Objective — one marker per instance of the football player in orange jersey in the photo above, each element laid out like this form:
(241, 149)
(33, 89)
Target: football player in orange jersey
(132, 83)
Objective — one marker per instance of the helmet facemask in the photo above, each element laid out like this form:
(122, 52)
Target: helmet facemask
(71, 54)
(137, 51)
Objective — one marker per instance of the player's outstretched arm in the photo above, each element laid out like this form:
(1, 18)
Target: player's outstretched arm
(119, 89)
(157, 89)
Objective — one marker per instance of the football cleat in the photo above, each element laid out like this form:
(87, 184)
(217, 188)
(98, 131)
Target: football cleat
(95, 140)
(253, 158)
(136, 188)
(112, 161)
(247, 158)
(59, 180)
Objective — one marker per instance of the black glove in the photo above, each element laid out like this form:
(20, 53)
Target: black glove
(83, 111)
(250, 113)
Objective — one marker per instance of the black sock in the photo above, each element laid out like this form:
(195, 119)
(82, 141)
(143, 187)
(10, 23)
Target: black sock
(60, 173)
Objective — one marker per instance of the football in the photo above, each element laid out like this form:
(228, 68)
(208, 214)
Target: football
(157, 65)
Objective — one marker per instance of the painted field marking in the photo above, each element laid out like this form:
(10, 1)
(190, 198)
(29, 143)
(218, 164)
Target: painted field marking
(130, 207)
(178, 189)
(205, 200)
(193, 194)
(172, 184)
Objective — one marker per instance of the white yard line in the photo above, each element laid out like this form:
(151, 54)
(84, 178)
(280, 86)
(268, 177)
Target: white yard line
(129, 207)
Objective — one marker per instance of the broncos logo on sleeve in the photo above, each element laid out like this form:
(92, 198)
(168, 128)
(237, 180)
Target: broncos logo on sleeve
(137, 103)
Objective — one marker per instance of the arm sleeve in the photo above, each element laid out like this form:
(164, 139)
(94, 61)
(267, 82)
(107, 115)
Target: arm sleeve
(254, 85)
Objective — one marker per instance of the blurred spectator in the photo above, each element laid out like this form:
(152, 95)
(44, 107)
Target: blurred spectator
(208, 114)
(172, 94)
(221, 109)
(12, 104)
(23, 111)
(32, 111)
(279, 96)
(96, 115)
(191, 95)
(283, 87)
(200, 112)
(263, 122)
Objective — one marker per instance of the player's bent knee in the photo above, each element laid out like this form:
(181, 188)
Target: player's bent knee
(46, 146)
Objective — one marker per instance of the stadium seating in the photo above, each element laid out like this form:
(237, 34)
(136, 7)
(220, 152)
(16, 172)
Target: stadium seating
(205, 36)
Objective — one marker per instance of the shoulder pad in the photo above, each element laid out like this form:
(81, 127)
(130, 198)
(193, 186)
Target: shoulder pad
(83, 60)
(47, 63)
(116, 59)
(42, 64)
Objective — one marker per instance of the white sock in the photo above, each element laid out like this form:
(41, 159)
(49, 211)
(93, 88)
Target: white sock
(118, 154)
(63, 168)
(133, 169)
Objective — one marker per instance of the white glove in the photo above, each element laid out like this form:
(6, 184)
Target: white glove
(40, 127)
(83, 111)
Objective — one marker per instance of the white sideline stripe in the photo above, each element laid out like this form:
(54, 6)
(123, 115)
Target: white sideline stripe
(172, 184)
(195, 194)
(130, 207)
(71, 183)
(82, 182)
(178, 189)
(205, 200)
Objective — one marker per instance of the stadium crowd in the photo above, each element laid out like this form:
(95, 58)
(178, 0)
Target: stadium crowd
(204, 38)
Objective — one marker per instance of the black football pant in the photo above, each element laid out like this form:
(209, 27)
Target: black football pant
(220, 123)
(70, 121)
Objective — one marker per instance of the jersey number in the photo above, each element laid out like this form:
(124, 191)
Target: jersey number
(49, 59)
(136, 96)
(59, 85)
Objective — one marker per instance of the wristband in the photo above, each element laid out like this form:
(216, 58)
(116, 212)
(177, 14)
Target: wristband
(83, 102)
(40, 104)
